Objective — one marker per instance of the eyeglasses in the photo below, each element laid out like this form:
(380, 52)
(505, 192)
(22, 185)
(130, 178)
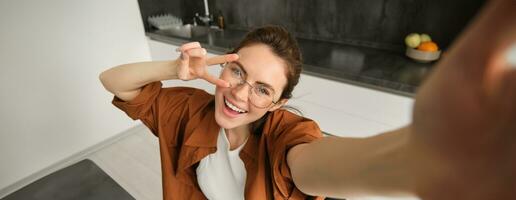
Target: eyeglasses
(260, 95)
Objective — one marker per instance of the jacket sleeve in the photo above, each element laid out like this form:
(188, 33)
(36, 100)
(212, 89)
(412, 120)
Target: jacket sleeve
(158, 107)
(291, 131)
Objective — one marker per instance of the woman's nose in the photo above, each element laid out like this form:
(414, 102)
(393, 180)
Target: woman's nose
(241, 92)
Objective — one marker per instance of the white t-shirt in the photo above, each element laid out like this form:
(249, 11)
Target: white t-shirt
(222, 175)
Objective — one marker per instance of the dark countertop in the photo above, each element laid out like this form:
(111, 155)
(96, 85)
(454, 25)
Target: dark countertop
(383, 70)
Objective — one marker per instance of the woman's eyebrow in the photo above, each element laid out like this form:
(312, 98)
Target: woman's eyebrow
(240, 65)
(245, 72)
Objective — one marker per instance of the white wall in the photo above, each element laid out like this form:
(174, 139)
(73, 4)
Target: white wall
(51, 53)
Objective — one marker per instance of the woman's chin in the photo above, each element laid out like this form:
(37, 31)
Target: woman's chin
(222, 122)
(225, 120)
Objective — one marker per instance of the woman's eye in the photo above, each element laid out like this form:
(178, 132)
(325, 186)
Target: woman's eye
(237, 72)
(264, 91)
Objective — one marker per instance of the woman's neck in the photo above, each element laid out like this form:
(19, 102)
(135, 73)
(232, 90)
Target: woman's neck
(237, 136)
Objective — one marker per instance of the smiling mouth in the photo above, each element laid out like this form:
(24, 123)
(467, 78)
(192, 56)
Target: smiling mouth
(234, 108)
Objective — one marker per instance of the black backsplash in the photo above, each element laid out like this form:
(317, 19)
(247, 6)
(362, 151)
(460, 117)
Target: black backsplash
(375, 23)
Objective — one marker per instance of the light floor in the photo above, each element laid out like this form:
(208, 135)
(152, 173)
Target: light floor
(133, 162)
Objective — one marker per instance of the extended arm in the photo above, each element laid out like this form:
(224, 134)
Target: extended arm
(344, 167)
(126, 81)
(461, 142)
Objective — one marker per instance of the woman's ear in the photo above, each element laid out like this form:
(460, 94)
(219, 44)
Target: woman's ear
(279, 104)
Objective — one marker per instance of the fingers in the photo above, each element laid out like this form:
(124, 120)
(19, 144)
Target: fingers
(189, 51)
(221, 59)
(183, 71)
(503, 97)
(216, 81)
(502, 62)
(511, 56)
(196, 52)
(489, 32)
(188, 46)
(193, 50)
(501, 87)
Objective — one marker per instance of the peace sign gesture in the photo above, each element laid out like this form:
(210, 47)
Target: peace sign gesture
(193, 63)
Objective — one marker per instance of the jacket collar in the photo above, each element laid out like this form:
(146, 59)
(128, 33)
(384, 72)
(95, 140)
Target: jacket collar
(206, 130)
(205, 135)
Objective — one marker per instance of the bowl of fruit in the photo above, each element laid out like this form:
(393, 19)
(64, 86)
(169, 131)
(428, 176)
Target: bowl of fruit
(421, 48)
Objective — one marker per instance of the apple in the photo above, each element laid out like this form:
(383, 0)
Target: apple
(425, 37)
(413, 40)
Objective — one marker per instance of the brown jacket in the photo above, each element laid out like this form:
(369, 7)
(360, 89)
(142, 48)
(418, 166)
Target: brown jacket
(184, 121)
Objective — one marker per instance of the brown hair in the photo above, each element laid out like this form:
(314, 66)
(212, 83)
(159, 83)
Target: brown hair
(285, 46)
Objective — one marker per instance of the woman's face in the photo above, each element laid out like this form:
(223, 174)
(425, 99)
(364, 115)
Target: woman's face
(259, 66)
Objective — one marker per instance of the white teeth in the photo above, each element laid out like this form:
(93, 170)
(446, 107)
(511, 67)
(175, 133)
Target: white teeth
(233, 107)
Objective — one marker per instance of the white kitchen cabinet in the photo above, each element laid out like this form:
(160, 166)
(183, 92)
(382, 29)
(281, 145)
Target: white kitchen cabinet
(339, 108)
(351, 111)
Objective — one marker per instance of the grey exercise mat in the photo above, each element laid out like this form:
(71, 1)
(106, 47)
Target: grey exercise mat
(83, 180)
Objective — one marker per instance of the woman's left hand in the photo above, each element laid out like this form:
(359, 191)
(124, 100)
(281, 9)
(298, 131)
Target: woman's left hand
(465, 113)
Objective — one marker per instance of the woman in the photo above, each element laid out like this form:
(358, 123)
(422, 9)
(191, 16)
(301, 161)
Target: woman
(239, 143)
(231, 145)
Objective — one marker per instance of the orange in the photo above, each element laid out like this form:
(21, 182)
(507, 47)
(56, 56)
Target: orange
(428, 46)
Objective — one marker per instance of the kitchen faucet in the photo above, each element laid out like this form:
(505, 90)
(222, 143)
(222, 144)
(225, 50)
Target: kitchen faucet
(206, 19)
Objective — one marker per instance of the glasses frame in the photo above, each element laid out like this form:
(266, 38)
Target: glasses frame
(251, 87)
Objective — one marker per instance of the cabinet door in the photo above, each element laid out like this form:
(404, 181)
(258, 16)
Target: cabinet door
(348, 110)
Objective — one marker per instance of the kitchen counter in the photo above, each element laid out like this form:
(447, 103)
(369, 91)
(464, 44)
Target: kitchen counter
(384, 70)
